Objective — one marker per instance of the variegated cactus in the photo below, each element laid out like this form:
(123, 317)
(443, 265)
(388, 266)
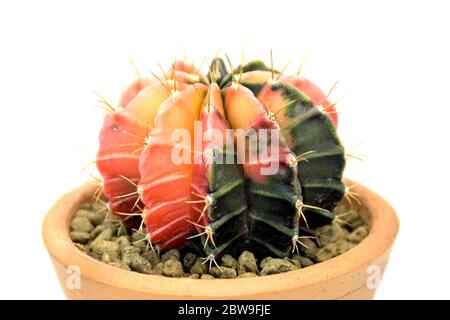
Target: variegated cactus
(240, 159)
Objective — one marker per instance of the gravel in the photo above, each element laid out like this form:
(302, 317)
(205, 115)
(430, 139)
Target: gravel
(101, 236)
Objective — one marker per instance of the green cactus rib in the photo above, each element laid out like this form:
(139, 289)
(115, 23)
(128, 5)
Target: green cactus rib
(308, 129)
(251, 66)
(217, 71)
(228, 208)
(273, 216)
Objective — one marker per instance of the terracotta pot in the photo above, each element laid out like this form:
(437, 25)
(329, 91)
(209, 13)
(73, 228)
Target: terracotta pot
(352, 275)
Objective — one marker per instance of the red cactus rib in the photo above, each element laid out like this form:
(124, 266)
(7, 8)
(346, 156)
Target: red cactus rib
(213, 136)
(165, 183)
(309, 88)
(122, 139)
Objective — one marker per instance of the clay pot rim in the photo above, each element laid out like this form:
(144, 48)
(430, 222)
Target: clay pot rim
(383, 230)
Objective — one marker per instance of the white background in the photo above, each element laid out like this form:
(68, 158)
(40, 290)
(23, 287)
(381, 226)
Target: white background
(392, 59)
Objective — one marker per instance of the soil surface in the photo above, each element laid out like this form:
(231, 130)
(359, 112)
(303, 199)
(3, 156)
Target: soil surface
(101, 235)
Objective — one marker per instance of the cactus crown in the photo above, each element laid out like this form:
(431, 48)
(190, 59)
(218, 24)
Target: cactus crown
(247, 158)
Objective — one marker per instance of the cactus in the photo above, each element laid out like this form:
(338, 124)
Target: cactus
(230, 191)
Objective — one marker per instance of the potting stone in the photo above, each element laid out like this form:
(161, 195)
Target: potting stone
(247, 263)
(274, 266)
(173, 268)
(223, 272)
(111, 243)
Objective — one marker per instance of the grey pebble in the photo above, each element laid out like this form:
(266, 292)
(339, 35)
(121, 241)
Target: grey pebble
(96, 217)
(151, 256)
(330, 233)
(158, 269)
(106, 234)
(198, 267)
(80, 236)
(277, 266)
(247, 275)
(223, 272)
(173, 269)
(264, 262)
(295, 262)
(247, 263)
(172, 254)
(81, 224)
(189, 260)
(123, 242)
(305, 262)
(82, 213)
(326, 253)
(309, 247)
(228, 261)
(358, 235)
(104, 246)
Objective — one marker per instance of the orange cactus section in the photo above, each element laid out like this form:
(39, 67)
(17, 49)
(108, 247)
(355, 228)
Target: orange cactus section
(165, 183)
(133, 89)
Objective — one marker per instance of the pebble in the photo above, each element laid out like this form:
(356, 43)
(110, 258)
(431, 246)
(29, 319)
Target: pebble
(189, 260)
(123, 242)
(104, 246)
(98, 235)
(94, 255)
(173, 269)
(106, 258)
(158, 269)
(138, 240)
(274, 266)
(264, 261)
(305, 262)
(198, 267)
(129, 250)
(97, 217)
(309, 248)
(97, 230)
(247, 263)
(350, 219)
(329, 233)
(223, 272)
(294, 262)
(80, 247)
(172, 254)
(151, 256)
(80, 236)
(326, 253)
(247, 275)
(228, 261)
(140, 264)
(121, 231)
(106, 234)
(358, 234)
(343, 246)
(81, 224)
(82, 213)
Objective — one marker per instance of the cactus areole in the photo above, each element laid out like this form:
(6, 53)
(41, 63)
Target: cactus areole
(240, 159)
